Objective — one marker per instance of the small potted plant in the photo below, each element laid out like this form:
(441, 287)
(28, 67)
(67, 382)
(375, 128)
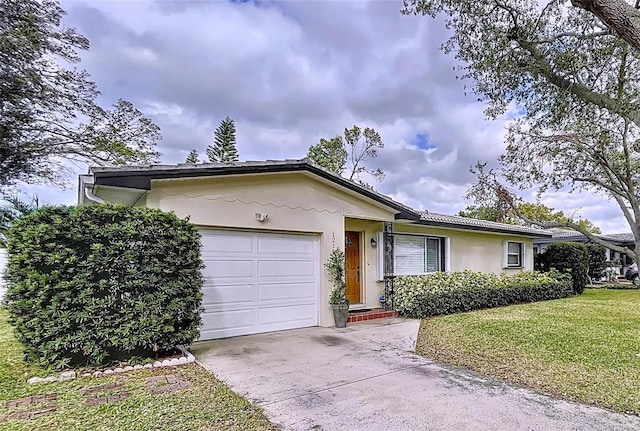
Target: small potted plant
(335, 267)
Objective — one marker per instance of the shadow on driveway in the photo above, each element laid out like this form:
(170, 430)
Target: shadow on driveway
(365, 377)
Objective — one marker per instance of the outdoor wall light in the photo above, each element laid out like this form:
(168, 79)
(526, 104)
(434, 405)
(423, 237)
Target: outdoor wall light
(261, 217)
(374, 243)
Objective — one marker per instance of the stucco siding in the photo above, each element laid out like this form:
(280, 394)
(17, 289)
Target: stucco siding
(475, 251)
(293, 202)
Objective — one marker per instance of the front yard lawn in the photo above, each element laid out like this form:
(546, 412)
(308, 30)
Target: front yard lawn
(134, 401)
(585, 348)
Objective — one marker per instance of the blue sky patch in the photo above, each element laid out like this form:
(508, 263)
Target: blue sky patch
(421, 140)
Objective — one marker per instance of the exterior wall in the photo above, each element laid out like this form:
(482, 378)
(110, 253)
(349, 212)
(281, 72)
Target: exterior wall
(294, 202)
(475, 251)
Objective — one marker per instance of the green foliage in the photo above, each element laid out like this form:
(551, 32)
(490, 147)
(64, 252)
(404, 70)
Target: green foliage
(49, 110)
(330, 154)
(597, 261)
(358, 147)
(500, 211)
(224, 149)
(93, 284)
(445, 293)
(576, 88)
(581, 348)
(192, 157)
(208, 405)
(12, 208)
(335, 266)
(568, 257)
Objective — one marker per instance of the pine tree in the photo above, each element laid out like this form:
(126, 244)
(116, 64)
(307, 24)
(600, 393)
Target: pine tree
(192, 157)
(224, 149)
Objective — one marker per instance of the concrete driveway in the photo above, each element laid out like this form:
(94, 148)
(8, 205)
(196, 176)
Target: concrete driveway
(365, 377)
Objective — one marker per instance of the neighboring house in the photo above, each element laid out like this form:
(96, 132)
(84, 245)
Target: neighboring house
(621, 239)
(268, 227)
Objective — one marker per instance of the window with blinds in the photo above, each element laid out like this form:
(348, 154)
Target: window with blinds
(415, 255)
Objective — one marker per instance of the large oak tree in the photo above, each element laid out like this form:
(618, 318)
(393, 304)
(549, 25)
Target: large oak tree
(49, 118)
(572, 72)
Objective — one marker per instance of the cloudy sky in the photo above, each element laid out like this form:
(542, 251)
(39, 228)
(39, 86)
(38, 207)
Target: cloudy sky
(290, 73)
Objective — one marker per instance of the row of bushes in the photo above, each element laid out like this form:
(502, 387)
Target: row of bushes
(446, 293)
(94, 284)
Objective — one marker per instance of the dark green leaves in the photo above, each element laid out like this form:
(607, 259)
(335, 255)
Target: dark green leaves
(93, 284)
(447, 293)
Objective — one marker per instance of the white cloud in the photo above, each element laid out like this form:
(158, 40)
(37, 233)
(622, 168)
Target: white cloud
(290, 73)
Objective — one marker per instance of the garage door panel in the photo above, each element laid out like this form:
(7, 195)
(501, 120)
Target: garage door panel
(217, 324)
(229, 294)
(258, 282)
(295, 315)
(286, 292)
(286, 246)
(286, 269)
(228, 269)
(226, 243)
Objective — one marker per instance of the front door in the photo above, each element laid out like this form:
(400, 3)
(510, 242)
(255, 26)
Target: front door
(352, 263)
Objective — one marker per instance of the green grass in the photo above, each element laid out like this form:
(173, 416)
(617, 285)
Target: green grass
(585, 348)
(208, 405)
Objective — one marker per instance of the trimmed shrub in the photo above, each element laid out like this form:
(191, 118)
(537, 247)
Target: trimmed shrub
(94, 284)
(597, 261)
(571, 258)
(452, 292)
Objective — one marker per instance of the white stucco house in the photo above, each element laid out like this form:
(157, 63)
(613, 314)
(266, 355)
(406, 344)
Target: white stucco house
(267, 228)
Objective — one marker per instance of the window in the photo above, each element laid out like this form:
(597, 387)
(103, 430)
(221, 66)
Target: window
(514, 254)
(415, 254)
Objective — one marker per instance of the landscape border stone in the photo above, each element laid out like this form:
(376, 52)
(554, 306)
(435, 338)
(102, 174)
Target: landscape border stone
(185, 358)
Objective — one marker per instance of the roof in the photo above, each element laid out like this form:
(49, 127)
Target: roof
(140, 177)
(570, 235)
(465, 222)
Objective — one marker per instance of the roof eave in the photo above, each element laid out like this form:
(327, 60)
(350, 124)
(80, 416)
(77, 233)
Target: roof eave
(542, 234)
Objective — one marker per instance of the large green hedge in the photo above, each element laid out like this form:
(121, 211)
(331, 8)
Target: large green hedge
(446, 293)
(568, 257)
(93, 284)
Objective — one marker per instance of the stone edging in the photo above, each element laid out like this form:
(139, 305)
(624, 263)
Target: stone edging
(186, 358)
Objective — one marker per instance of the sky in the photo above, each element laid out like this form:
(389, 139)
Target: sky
(290, 73)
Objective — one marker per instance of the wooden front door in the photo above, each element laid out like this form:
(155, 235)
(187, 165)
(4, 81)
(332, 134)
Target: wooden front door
(352, 264)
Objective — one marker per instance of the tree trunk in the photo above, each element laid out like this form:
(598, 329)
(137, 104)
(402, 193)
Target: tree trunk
(621, 17)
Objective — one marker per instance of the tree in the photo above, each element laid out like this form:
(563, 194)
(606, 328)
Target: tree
(500, 211)
(224, 149)
(48, 111)
(577, 85)
(12, 208)
(349, 154)
(192, 157)
(330, 154)
(622, 19)
(597, 261)
(568, 257)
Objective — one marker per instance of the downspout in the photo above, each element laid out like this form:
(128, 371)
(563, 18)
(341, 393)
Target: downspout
(141, 197)
(93, 198)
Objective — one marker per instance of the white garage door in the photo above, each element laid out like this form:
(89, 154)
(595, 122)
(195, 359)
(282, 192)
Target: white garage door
(258, 282)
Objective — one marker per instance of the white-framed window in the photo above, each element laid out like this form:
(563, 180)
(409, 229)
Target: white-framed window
(415, 254)
(513, 254)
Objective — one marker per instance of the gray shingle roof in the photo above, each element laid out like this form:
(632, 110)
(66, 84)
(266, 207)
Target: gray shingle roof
(569, 235)
(482, 224)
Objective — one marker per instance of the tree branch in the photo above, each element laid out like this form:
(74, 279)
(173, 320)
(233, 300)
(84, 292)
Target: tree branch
(622, 18)
(579, 90)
